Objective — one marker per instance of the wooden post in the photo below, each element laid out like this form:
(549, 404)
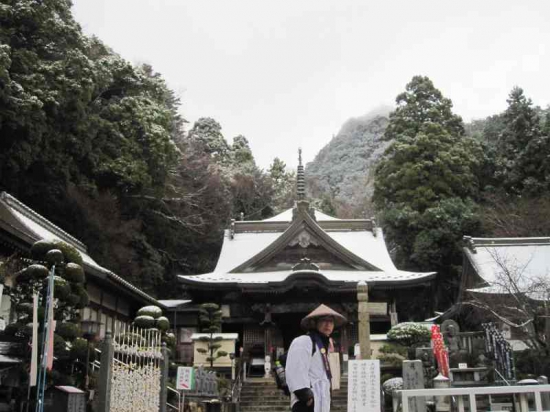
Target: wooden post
(106, 373)
(364, 319)
(164, 365)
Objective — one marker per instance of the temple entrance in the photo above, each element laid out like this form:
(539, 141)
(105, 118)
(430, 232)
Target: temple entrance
(288, 325)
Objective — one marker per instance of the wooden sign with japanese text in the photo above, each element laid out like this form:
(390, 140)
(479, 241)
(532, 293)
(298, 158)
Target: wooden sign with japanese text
(364, 386)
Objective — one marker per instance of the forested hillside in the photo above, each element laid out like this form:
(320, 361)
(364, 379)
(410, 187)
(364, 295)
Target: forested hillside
(430, 178)
(340, 178)
(98, 146)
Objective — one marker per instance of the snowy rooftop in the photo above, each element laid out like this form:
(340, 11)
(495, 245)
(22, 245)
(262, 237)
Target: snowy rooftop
(286, 216)
(362, 243)
(357, 239)
(279, 277)
(502, 262)
(173, 303)
(228, 336)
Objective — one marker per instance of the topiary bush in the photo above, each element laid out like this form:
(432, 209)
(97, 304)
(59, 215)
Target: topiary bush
(74, 273)
(162, 323)
(392, 385)
(67, 330)
(153, 311)
(409, 333)
(78, 349)
(144, 321)
(69, 293)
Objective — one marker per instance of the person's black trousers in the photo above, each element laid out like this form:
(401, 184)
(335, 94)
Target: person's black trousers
(302, 407)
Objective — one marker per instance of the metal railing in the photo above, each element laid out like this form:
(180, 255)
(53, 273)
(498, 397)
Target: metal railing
(240, 377)
(178, 408)
(459, 393)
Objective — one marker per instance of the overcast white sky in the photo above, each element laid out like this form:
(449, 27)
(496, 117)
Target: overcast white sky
(288, 73)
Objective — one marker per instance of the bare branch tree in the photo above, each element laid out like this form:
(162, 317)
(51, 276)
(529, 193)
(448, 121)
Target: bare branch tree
(517, 298)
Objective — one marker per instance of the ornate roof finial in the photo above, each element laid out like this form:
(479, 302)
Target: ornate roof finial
(300, 178)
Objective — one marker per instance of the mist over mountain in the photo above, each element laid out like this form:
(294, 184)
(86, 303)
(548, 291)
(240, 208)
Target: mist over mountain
(340, 179)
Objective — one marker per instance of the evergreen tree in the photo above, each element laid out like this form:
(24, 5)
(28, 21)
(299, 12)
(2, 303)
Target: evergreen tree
(524, 148)
(91, 142)
(419, 106)
(208, 132)
(284, 185)
(425, 182)
(241, 153)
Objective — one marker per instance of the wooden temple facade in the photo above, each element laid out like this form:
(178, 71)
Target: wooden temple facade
(271, 273)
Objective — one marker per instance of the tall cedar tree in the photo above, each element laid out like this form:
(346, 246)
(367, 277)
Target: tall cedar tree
(523, 156)
(425, 184)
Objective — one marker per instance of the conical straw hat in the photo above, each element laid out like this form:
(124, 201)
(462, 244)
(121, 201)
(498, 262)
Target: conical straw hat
(310, 321)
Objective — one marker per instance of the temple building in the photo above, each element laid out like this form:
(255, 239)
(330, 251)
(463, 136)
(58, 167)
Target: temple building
(271, 273)
(113, 300)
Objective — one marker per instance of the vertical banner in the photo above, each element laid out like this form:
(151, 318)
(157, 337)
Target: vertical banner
(440, 351)
(364, 385)
(50, 328)
(49, 364)
(34, 347)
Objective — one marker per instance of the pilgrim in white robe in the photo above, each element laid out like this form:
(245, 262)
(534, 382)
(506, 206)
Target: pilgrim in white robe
(306, 371)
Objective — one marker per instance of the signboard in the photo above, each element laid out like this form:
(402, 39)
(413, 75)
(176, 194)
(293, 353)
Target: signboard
(364, 385)
(377, 308)
(185, 380)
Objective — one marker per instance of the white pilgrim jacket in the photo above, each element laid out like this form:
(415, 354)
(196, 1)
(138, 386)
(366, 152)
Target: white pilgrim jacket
(306, 371)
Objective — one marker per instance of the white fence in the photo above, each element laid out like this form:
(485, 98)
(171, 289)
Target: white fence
(523, 391)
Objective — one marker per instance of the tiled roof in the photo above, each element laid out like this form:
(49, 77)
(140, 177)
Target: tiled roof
(358, 243)
(22, 220)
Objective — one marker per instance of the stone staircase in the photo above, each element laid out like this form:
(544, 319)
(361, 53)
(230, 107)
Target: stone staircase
(262, 395)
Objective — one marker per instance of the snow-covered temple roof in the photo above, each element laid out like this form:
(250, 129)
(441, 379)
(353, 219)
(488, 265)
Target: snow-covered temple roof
(27, 226)
(506, 263)
(255, 253)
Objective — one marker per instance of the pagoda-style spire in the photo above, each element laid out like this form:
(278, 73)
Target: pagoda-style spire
(300, 179)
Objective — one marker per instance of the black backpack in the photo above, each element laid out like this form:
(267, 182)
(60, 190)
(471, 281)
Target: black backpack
(280, 378)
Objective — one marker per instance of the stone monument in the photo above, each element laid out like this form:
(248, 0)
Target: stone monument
(413, 378)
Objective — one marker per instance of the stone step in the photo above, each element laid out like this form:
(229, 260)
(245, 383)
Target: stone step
(262, 395)
(342, 403)
(286, 405)
(271, 382)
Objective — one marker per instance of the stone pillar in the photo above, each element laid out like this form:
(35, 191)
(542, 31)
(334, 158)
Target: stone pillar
(164, 365)
(442, 403)
(545, 396)
(106, 373)
(364, 319)
(413, 378)
(393, 313)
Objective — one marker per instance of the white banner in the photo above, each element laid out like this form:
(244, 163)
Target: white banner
(34, 348)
